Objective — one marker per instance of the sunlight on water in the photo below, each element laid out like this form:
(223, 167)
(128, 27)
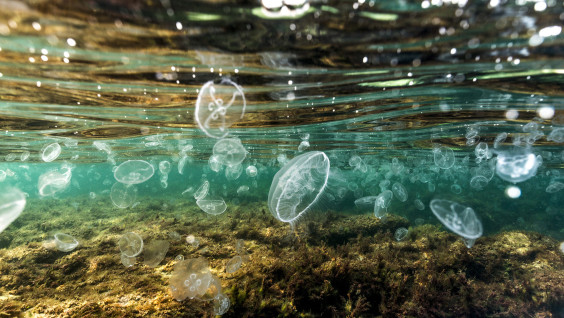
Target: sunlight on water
(117, 113)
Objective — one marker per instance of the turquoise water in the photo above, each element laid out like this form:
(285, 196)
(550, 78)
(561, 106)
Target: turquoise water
(388, 81)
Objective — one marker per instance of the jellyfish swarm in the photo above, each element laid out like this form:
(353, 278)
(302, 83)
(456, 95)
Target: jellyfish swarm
(460, 219)
(11, 206)
(298, 185)
(219, 106)
(516, 165)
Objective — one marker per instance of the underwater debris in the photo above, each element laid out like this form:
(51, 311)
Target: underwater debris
(298, 185)
(13, 203)
(134, 172)
(64, 242)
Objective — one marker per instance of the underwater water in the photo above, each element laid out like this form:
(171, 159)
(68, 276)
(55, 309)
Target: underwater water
(281, 158)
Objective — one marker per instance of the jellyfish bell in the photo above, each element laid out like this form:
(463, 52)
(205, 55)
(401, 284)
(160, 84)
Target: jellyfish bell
(516, 165)
(459, 219)
(219, 106)
(298, 186)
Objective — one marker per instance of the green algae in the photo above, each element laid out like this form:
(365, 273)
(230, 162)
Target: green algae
(330, 265)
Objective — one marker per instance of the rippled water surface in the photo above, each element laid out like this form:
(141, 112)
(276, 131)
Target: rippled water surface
(384, 88)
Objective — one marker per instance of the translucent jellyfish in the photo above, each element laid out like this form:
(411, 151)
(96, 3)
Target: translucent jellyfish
(481, 151)
(419, 205)
(242, 189)
(202, 190)
(134, 172)
(54, 181)
(233, 172)
(128, 261)
(219, 106)
(303, 145)
(517, 165)
(556, 135)
(192, 240)
(444, 157)
(25, 155)
(190, 278)
(298, 185)
(123, 195)
(460, 219)
(220, 304)
(478, 182)
(399, 191)
(3, 175)
(499, 139)
(164, 167)
(12, 203)
(230, 151)
(155, 252)
(455, 188)
(215, 163)
(251, 171)
(284, 8)
(400, 234)
(212, 206)
(182, 163)
(358, 164)
(65, 242)
(51, 152)
(554, 187)
(130, 244)
(382, 203)
(365, 202)
(562, 247)
(233, 264)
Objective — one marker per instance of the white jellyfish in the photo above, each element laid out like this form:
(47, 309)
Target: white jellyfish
(460, 219)
(516, 165)
(12, 203)
(298, 186)
(134, 172)
(444, 157)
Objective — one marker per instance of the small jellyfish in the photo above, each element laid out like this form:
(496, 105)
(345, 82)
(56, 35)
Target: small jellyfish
(233, 264)
(54, 181)
(220, 304)
(65, 242)
(212, 206)
(517, 165)
(499, 139)
(230, 151)
(554, 187)
(399, 191)
(192, 240)
(215, 163)
(419, 205)
(155, 252)
(51, 152)
(164, 167)
(298, 186)
(400, 234)
(556, 135)
(123, 195)
(202, 190)
(303, 145)
(12, 202)
(134, 172)
(478, 182)
(130, 244)
(460, 219)
(444, 157)
(251, 171)
(365, 202)
(128, 261)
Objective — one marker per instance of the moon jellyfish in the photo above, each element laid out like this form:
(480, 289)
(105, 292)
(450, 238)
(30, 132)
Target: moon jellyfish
(499, 139)
(134, 172)
(65, 243)
(298, 185)
(251, 171)
(212, 206)
(54, 181)
(382, 203)
(556, 135)
(220, 304)
(202, 190)
(478, 182)
(444, 157)
(233, 172)
(517, 165)
(399, 191)
(219, 106)
(130, 244)
(554, 187)
(365, 202)
(51, 152)
(284, 8)
(460, 219)
(400, 234)
(215, 163)
(155, 252)
(233, 264)
(481, 151)
(123, 195)
(164, 167)
(419, 205)
(12, 202)
(230, 151)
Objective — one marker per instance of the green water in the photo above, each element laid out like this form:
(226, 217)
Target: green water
(387, 81)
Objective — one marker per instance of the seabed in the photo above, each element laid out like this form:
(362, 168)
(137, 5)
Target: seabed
(330, 265)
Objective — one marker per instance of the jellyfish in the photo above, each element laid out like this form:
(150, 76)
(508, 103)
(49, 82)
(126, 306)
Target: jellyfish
(516, 165)
(444, 157)
(400, 234)
(460, 219)
(51, 152)
(12, 204)
(130, 244)
(298, 186)
(134, 172)
(399, 191)
(123, 195)
(65, 243)
(230, 151)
